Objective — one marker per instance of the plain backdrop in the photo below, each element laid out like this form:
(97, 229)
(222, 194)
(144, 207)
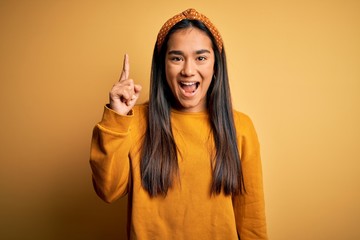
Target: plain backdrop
(294, 69)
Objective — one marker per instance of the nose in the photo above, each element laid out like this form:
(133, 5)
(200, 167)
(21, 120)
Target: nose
(188, 68)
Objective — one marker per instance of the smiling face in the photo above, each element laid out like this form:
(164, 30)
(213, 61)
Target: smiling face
(189, 64)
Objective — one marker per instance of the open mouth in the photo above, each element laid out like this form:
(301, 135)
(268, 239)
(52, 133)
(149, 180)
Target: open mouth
(189, 87)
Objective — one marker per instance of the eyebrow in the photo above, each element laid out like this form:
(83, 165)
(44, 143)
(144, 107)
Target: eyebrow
(177, 52)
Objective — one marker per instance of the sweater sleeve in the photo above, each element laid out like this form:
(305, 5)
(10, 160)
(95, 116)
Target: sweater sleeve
(109, 155)
(249, 208)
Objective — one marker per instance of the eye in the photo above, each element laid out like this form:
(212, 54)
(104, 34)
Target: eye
(201, 58)
(176, 59)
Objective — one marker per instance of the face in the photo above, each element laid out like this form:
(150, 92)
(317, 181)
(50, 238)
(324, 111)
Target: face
(189, 66)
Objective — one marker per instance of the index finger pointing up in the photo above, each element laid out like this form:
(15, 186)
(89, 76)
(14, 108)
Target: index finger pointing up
(126, 68)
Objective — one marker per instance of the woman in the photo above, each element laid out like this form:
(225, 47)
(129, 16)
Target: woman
(189, 163)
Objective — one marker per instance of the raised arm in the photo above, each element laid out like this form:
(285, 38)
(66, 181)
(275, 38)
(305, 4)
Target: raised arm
(111, 140)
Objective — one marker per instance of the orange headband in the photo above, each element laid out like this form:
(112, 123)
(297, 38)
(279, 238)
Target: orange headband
(190, 14)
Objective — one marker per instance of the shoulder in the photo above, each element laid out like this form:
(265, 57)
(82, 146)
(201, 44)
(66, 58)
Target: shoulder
(244, 125)
(242, 120)
(246, 134)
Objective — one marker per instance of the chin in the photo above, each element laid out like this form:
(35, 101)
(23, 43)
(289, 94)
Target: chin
(193, 106)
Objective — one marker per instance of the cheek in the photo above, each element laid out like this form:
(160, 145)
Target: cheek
(167, 73)
(209, 69)
(209, 72)
(170, 73)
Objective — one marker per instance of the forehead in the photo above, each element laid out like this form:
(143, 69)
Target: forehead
(189, 39)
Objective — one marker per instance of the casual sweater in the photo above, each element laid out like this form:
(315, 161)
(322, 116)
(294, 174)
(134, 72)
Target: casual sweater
(189, 210)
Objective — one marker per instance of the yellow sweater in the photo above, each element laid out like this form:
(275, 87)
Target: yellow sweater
(188, 211)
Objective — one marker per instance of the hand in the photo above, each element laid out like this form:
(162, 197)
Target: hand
(124, 93)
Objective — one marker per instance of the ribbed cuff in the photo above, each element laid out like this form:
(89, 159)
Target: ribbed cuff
(115, 122)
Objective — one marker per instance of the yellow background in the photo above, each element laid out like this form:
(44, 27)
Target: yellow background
(294, 68)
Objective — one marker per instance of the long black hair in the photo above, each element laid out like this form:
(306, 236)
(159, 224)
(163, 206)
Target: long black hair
(159, 161)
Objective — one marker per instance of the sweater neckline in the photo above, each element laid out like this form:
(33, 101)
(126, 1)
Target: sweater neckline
(177, 112)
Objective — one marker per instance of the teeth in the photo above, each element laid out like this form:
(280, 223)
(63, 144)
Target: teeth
(188, 83)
